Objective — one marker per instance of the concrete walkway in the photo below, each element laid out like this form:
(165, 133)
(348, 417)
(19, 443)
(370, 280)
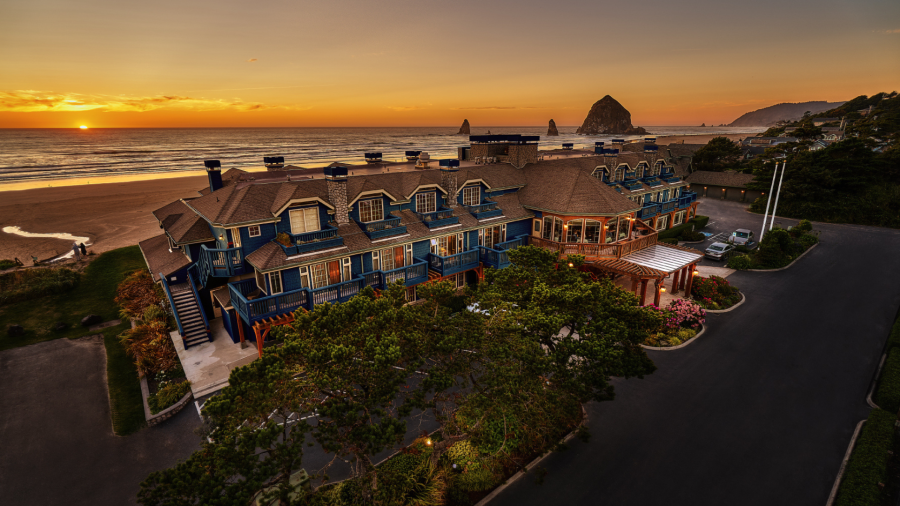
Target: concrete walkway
(758, 412)
(56, 440)
(208, 365)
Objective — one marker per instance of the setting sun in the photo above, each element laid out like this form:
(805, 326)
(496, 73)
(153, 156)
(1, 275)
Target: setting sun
(83, 127)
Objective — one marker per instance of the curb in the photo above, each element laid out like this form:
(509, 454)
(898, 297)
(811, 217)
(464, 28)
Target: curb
(164, 414)
(682, 345)
(837, 480)
(509, 481)
(869, 400)
(786, 266)
(732, 308)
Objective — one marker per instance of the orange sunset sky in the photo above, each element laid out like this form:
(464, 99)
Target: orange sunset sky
(232, 63)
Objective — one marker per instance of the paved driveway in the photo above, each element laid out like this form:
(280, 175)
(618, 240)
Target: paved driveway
(758, 411)
(56, 440)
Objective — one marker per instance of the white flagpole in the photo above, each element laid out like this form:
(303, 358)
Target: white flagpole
(778, 194)
(768, 202)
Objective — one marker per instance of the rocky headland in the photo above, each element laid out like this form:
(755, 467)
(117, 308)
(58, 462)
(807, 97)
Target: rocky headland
(607, 116)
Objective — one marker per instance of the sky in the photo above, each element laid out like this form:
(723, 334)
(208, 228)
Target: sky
(273, 63)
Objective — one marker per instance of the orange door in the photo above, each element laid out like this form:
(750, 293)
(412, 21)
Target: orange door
(334, 272)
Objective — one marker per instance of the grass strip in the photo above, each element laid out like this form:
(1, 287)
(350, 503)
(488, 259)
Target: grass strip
(887, 395)
(868, 464)
(125, 402)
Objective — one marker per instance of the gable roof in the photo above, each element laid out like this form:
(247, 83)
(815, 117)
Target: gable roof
(729, 178)
(182, 223)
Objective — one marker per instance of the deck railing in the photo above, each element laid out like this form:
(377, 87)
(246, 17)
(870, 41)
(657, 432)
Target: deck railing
(222, 263)
(592, 251)
(487, 209)
(498, 259)
(648, 211)
(453, 264)
(329, 232)
(199, 304)
(440, 218)
(384, 228)
(172, 304)
(686, 199)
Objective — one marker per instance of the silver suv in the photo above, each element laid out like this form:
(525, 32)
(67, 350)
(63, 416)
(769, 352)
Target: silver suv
(741, 237)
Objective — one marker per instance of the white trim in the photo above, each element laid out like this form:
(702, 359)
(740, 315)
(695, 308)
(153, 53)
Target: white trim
(494, 218)
(370, 193)
(317, 253)
(481, 181)
(258, 228)
(303, 201)
(444, 228)
(425, 187)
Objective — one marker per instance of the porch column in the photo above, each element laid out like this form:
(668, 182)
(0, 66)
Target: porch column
(690, 280)
(259, 340)
(685, 272)
(644, 291)
(656, 286)
(240, 325)
(634, 285)
(675, 280)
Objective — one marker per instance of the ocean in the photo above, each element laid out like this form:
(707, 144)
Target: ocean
(32, 155)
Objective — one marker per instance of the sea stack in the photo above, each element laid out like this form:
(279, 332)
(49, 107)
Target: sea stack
(464, 129)
(552, 130)
(607, 116)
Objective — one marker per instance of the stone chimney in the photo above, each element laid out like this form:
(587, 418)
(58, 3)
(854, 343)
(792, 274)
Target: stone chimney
(214, 173)
(449, 168)
(336, 179)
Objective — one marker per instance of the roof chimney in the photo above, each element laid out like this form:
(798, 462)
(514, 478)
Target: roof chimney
(449, 168)
(214, 173)
(273, 162)
(336, 180)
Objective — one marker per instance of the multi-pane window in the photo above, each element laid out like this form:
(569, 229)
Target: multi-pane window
(304, 220)
(389, 259)
(620, 174)
(471, 196)
(592, 231)
(553, 228)
(253, 231)
(611, 227)
(662, 222)
(371, 210)
(425, 203)
(319, 275)
(678, 218)
(326, 273)
(491, 236)
(447, 245)
(275, 283)
(574, 228)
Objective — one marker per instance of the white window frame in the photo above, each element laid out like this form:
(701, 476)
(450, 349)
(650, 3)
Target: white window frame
(273, 276)
(664, 219)
(371, 202)
(258, 276)
(254, 231)
(408, 253)
(678, 219)
(426, 203)
(306, 221)
(236, 237)
(346, 269)
(376, 261)
(305, 280)
(471, 195)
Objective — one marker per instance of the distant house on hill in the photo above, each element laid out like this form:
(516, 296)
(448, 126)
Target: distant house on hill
(820, 144)
(723, 185)
(832, 133)
(767, 141)
(822, 121)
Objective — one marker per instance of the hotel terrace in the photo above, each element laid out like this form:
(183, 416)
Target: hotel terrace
(255, 247)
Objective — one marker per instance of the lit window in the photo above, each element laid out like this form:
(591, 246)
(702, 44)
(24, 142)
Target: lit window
(371, 210)
(304, 220)
(275, 282)
(253, 231)
(471, 196)
(425, 203)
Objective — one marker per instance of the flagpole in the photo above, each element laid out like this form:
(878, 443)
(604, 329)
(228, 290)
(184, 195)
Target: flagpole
(769, 202)
(778, 194)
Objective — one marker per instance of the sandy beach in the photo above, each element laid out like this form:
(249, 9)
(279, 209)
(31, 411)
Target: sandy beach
(116, 214)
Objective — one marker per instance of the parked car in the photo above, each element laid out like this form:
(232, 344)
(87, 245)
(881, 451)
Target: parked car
(742, 237)
(718, 250)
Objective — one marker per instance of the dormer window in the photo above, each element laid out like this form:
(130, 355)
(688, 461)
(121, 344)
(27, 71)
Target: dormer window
(620, 174)
(304, 220)
(253, 231)
(471, 196)
(425, 203)
(371, 210)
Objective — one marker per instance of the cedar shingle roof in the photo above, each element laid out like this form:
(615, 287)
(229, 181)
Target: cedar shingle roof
(159, 259)
(728, 179)
(182, 223)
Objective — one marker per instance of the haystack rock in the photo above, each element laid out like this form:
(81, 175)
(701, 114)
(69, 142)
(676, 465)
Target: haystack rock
(464, 129)
(552, 130)
(607, 116)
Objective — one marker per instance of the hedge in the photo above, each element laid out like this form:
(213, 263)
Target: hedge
(887, 395)
(894, 338)
(676, 231)
(700, 221)
(868, 465)
(669, 240)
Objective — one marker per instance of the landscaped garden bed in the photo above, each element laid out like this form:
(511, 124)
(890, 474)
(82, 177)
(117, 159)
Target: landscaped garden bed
(778, 248)
(714, 293)
(682, 321)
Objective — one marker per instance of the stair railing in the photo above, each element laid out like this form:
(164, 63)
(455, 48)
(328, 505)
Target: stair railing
(199, 304)
(172, 305)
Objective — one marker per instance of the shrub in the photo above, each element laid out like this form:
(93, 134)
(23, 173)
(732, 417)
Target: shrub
(868, 465)
(150, 346)
(27, 284)
(807, 241)
(674, 341)
(887, 395)
(802, 227)
(894, 338)
(699, 221)
(284, 239)
(7, 264)
(154, 312)
(685, 334)
(714, 292)
(676, 231)
(136, 293)
(475, 472)
(167, 395)
(740, 248)
(740, 262)
(682, 313)
(774, 249)
(690, 235)
(669, 240)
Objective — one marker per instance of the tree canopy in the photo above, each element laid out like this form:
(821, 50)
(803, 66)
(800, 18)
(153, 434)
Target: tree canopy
(719, 154)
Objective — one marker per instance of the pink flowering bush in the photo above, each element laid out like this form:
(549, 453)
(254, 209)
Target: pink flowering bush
(681, 313)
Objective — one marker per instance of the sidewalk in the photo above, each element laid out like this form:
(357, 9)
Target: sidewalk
(207, 366)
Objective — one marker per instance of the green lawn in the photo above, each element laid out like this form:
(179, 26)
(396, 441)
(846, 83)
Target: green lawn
(94, 295)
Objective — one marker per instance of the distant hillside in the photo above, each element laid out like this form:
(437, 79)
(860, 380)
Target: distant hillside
(768, 116)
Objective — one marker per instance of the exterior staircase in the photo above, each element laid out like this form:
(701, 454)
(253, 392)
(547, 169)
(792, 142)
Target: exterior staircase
(188, 309)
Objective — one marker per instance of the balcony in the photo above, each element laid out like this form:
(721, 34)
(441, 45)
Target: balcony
(487, 209)
(686, 199)
(648, 211)
(631, 184)
(246, 299)
(514, 243)
(445, 266)
(494, 258)
(440, 218)
(384, 228)
(667, 206)
(669, 177)
(220, 263)
(652, 181)
(596, 251)
(312, 241)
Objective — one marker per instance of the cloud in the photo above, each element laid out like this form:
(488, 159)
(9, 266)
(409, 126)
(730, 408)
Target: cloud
(492, 108)
(37, 101)
(403, 108)
(251, 60)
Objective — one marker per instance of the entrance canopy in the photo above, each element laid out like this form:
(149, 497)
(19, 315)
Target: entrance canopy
(667, 258)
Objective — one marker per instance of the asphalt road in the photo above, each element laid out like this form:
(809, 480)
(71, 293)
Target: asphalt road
(56, 440)
(758, 411)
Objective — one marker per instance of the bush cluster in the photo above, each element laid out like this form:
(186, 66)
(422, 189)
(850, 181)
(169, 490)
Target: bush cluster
(682, 313)
(868, 465)
(740, 262)
(778, 248)
(168, 394)
(714, 292)
(148, 343)
(28, 284)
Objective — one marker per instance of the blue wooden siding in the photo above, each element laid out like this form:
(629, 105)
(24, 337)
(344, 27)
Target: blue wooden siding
(421, 249)
(517, 228)
(251, 244)
(356, 264)
(367, 262)
(290, 278)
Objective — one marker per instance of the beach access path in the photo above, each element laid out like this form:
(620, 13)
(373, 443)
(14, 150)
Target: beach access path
(761, 410)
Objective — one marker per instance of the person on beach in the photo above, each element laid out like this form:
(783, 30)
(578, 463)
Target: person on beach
(77, 251)
(83, 249)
